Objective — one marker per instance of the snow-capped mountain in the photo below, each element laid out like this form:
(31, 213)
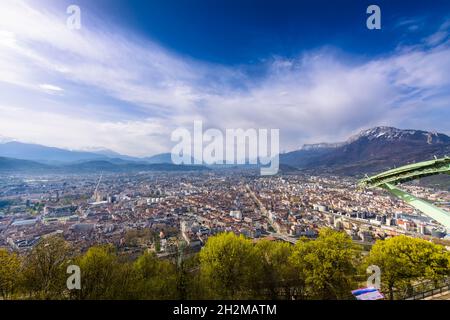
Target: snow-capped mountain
(371, 150)
(322, 145)
(393, 134)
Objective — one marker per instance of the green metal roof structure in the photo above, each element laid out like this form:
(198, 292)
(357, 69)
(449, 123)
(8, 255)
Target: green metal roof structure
(389, 179)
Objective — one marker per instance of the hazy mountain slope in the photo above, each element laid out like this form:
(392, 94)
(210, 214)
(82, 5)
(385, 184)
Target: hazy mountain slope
(16, 166)
(372, 150)
(40, 153)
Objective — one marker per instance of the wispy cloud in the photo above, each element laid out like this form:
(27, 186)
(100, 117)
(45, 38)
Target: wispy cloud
(440, 36)
(50, 87)
(411, 24)
(319, 96)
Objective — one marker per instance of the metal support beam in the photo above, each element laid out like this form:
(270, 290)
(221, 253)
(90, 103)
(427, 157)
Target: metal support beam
(389, 179)
(441, 216)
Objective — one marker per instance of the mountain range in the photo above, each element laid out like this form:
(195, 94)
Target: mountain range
(370, 151)
(51, 155)
(12, 166)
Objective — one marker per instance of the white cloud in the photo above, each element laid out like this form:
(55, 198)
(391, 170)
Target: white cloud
(319, 96)
(50, 87)
(59, 130)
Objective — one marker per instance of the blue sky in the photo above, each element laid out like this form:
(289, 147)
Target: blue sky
(248, 31)
(137, 70)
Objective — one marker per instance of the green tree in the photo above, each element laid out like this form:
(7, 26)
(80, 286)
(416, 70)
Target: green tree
(228, 266)
(189, 285)
(327, 265)
(44, 271)
(100, 273)
(155, 278)
(9, 273)
(125, 285)
(404, 260)
(276, 271)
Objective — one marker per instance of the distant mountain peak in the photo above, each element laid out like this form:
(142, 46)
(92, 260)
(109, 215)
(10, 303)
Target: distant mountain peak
(321, 145)
(4, 139)
(40, 153)
(371, 150)
(100, 150)
(392, 134)
(381, 132)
